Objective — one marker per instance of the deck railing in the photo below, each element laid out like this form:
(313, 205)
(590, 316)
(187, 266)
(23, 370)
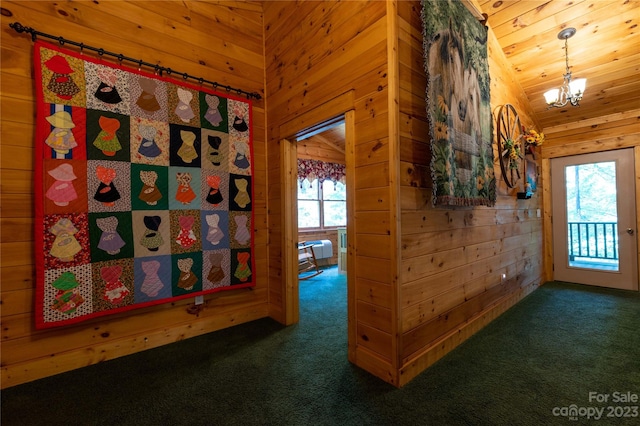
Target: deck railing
(593, 240)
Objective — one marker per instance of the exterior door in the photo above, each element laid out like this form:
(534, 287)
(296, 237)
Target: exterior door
(594, 217)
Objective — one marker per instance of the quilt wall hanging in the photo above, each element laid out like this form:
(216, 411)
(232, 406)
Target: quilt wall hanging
(143, 188)
(458, 105)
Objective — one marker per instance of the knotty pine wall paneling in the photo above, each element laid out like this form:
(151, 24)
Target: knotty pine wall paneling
(312, 149)
(452, 259)
(328, 234)
(440, 279)
(220, 42)
(315, 52)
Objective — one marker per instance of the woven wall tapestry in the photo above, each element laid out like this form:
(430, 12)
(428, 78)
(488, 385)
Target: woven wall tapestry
(455, 50)
(143, 189)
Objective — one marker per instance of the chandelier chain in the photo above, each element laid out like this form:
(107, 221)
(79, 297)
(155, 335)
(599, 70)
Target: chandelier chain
(566, 53)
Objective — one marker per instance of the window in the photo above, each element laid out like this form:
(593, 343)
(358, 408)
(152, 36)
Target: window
(322, 205)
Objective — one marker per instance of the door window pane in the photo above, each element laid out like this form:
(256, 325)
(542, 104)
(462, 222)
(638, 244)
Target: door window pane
(592, 217)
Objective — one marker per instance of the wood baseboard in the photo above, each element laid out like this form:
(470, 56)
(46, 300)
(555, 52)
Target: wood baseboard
(374, 364)
(451, 340)
(40, 368)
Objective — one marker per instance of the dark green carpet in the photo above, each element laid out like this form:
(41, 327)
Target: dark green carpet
(550, 350)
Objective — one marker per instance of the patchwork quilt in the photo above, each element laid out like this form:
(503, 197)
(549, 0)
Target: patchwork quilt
(143, 188)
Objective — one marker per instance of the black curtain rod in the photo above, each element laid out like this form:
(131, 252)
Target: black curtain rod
(19, 28)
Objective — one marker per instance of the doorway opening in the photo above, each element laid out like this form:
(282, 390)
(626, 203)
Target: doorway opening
(593, 207)
(324, 134)
(318, 212)
(322, 195)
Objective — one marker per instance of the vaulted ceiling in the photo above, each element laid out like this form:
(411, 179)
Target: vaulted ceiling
(605, 50)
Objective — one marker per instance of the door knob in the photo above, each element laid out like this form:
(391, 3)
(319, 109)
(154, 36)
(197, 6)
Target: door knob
(629, 231)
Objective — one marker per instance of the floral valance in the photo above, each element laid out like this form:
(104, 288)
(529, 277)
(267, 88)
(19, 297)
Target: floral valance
(316, 169)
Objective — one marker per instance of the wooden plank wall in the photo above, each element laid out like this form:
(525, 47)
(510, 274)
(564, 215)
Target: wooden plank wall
(317, 51)
(412, 303)
(453, 259)
(313, 149)
(608, 132)
(329, 234)
(220, 42)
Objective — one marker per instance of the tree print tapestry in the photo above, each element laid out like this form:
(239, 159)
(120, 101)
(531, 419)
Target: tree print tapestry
(143, 188)
(455, 50)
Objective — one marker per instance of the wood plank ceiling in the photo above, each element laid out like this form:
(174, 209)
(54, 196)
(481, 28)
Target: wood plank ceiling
(605, 50)
(333, 137)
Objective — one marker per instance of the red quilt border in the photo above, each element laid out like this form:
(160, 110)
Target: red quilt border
(38, 188)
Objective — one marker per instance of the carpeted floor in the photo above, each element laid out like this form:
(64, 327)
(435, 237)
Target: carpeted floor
(551, 350)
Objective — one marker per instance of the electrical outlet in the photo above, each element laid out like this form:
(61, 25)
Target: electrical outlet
(538, 213)
(199, 300)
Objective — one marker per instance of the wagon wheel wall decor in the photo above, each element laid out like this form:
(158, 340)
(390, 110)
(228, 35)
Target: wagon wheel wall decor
(510, 151)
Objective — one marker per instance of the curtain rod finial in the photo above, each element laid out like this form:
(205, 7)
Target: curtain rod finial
(17, 26)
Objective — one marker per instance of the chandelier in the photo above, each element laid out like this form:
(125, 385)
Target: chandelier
(571, 91)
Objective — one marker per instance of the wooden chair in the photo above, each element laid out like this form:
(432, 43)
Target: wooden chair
(307, 261)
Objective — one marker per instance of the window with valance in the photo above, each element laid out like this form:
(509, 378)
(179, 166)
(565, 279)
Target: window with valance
(322, 198)
(316, 169)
